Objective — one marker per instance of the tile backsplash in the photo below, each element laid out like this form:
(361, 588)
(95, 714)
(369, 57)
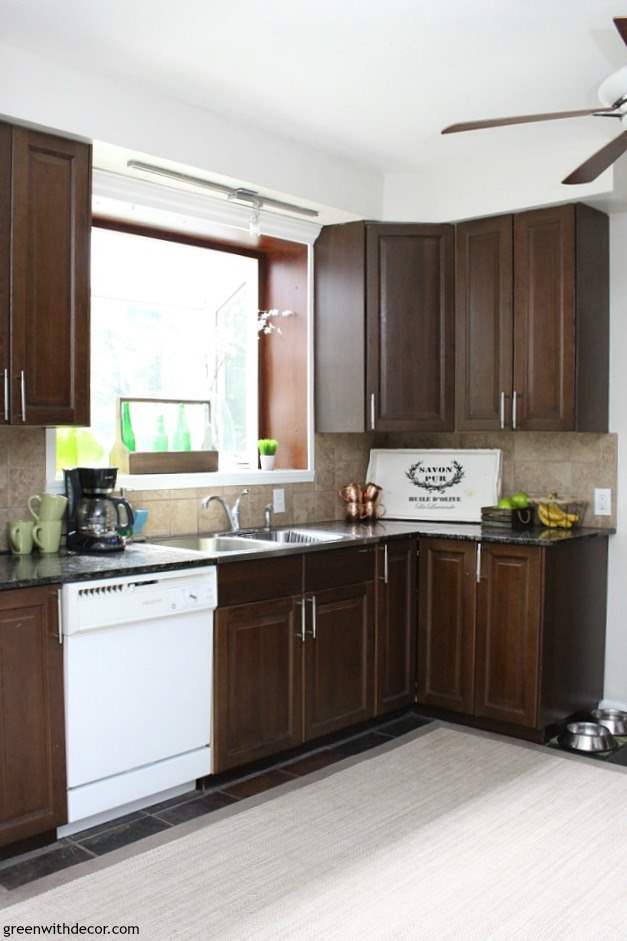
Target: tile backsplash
(573, 464)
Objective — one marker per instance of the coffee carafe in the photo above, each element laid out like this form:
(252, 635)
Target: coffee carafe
(97, 521)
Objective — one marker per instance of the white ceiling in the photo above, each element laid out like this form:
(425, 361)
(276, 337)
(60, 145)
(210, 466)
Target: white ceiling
(369, 81)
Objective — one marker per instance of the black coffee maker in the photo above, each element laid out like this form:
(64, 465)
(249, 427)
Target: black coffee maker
(95, 523)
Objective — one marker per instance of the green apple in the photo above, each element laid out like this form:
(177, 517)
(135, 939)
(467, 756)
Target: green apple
(520, 500)
(505, 504)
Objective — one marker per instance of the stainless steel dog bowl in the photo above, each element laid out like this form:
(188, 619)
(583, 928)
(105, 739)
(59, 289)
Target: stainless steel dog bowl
(613, 719)
(587, 737)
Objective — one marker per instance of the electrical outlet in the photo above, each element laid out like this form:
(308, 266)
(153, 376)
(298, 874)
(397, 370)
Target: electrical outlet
(602, 502)
(278, 500)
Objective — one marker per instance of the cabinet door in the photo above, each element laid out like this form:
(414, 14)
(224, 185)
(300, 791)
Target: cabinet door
(484, 323)
(32, 741)
(396, 624)
(258, 675)
(544, 319)
(446, 624)
(5, 269)
(508, 634)
(409, 303)
(51, 197)
(339, 687)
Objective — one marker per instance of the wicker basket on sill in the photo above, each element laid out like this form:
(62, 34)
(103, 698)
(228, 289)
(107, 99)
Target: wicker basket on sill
(161, 462)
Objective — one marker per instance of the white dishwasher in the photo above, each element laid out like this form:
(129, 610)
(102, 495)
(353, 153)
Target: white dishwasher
(138, 687)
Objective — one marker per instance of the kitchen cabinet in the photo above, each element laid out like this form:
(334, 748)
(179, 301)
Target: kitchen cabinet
(45, 219)
(293, 667)
(532, 321)
(484, 323)
(258, 680)
(508, 634)
(396, 624)
(446, 634)
(512, 637)
(32, 739)
(384, 327)
(339, 654)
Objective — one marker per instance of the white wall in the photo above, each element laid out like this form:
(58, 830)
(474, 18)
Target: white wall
(40, 91)
(616, 656)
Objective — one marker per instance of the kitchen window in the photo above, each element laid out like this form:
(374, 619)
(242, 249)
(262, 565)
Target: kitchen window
(174, 317)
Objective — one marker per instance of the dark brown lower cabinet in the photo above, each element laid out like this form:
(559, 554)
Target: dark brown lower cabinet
(258, 681)
(511, 636)
(446, 635)
(339, 688)
(396, 624)
(508, 634)
(32, 738)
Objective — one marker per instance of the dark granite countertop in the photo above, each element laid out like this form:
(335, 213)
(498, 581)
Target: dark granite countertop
(155, 556)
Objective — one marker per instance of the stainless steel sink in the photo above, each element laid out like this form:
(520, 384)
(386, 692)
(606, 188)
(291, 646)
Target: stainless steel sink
(295, 536)
(218, 544)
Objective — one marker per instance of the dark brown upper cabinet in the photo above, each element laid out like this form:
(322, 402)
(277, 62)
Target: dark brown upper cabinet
(384, 327)
(484, 323)
(45, 222)
(532, 321)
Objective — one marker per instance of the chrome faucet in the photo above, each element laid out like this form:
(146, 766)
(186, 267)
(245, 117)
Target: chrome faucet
(232, 512)
(267, 516)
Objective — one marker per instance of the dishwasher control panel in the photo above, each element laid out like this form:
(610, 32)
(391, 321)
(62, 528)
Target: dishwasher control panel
(107, 602)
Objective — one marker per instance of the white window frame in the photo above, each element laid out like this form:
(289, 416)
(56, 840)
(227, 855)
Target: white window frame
(139, 201)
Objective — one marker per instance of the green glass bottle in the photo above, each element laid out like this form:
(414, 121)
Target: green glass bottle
(182, 437)
(128, 435)
(160, 442)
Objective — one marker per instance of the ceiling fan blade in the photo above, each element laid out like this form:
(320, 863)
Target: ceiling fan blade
(620, 22)
(522, 119)
(594, 166)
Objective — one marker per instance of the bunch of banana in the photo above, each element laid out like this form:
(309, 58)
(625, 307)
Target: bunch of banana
(553, 516)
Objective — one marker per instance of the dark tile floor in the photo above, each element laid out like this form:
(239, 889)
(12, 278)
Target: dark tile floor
(97, 841)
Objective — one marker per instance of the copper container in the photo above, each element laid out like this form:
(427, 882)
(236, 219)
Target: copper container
(372, 491)
(352, 512)
(371, 511)
(351, 493)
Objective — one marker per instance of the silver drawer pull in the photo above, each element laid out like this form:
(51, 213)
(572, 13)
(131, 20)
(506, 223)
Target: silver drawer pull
(478, 562)
(23, 393)
(502, 410)
(6, 394)
(514, 409)
(302, 633)
(372, 411)
(314, 616)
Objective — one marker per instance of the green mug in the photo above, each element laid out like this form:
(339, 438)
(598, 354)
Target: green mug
(47, 535)
(21, 536)
(51, 507)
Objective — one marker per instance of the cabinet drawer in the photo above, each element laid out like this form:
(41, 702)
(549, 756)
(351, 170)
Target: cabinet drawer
(258, 580)
(338, 567)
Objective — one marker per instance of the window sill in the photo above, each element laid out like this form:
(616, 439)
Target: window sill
(235, 478)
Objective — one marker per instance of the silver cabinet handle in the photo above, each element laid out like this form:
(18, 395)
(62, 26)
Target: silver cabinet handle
(314, 616)
(502, 410)
(60, 616)
(302, 633)
(23, 393)
(372, 411)
(386, 570)
(514, 409)
(6, 394)
(478, 574)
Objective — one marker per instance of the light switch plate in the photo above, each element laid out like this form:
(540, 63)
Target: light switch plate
(602, 502)
(278, 500)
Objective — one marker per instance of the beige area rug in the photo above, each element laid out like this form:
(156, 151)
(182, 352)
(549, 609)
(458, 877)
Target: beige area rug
(444, 835)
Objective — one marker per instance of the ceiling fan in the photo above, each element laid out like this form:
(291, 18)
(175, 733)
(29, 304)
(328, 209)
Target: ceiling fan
(613, 97)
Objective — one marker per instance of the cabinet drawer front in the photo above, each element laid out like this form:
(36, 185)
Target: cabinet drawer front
(241, 582)
(508, 634)
(336, 567)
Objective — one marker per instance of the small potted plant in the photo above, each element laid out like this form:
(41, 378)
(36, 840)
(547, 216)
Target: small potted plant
(267, 452)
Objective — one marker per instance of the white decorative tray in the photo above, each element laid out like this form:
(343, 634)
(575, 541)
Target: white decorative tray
(436, 484)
